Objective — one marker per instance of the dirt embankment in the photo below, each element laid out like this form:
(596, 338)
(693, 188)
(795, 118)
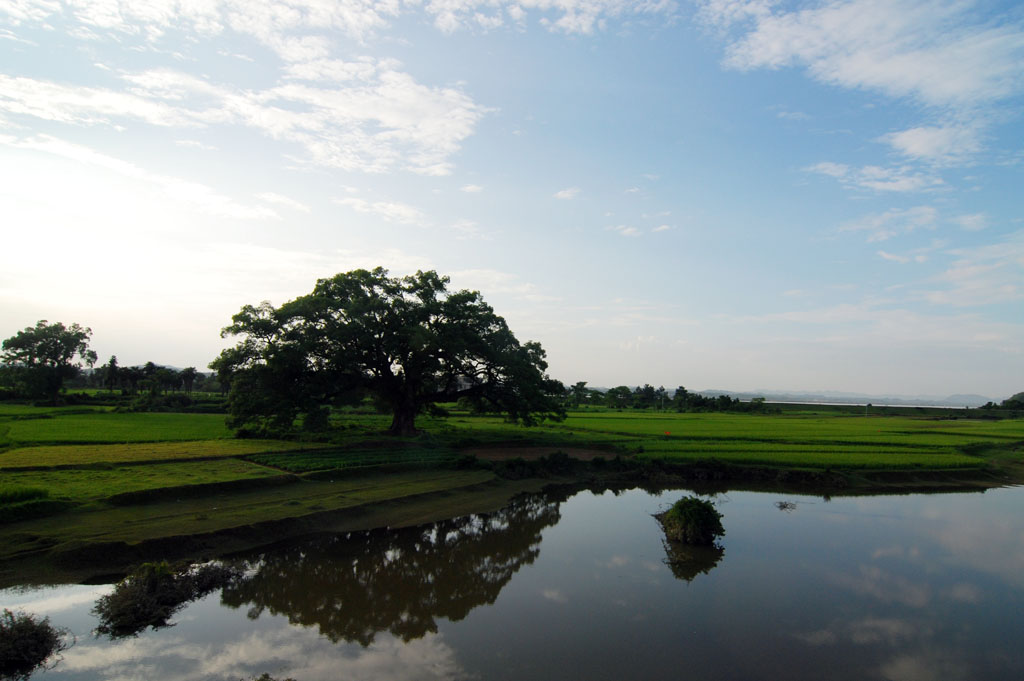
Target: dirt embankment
(533, 453)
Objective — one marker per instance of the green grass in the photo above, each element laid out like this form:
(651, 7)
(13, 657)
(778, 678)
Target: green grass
(802, 428)
(118, 427)
(806, 440)
(218, 512)
(10, 409)
(89, 454)
(85, 485)
(11, 494)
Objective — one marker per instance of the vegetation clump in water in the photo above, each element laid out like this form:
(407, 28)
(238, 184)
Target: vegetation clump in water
(692, 521)
(153, 593)
(26, 643)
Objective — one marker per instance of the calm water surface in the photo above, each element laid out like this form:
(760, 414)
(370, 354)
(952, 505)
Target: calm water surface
(895, 587)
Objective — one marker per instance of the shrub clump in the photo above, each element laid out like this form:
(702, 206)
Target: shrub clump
(26, 643)
(153, 593)
(692, 521)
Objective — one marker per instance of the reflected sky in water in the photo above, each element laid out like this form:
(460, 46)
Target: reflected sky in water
(899, 588)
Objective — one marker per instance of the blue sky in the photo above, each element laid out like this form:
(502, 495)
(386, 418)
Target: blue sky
(717, 194)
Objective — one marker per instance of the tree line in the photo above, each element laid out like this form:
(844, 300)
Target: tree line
(648, 397)
(407, 344)
(41, 361)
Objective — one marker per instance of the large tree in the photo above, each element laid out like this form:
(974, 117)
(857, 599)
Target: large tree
(407, 341)
(47, 354)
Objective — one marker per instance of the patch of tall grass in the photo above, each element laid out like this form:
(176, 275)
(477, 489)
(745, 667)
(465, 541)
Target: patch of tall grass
(10, 494)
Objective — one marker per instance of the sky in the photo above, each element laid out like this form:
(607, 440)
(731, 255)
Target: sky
(730, 194)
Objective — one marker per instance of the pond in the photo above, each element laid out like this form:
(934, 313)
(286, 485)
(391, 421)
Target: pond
(577, 585)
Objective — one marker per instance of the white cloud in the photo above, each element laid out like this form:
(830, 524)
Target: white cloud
(892, 257)
(471, 188)
(495, 282)
(275, 23)
(390, 211)
(625, 230)
(944, 144)
(311, 657)
(271, 197)
(972, 223)
(885, 587)
(984, 275)
(468, 229)
(194, 144)
(271, 21)
(566, 16)
(793, 115)
(940, 52)
(555, 596)
(193, 194)
(883, 226)
(83, 105)
(877, 178)
(379, 120)
(569, 193)
(662, 228)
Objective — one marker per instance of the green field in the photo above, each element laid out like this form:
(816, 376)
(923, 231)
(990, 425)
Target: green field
(74, 475)
(801, 440)
(90, 484)
(142, 452)
(110, 427)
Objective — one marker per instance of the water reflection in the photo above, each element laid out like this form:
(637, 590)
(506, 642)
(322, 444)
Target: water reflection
(867, 588)
(399, 581)
(688, 561)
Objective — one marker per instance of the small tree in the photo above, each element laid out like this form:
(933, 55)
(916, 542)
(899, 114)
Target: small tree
(47, 354)
(111, 374)
(188, 378)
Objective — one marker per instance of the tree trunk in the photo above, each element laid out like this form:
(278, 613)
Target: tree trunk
(404, 420)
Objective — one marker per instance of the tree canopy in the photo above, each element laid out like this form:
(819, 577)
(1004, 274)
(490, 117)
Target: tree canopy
(407, 341)
(47, 354)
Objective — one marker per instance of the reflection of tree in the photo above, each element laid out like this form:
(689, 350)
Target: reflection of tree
(398, 580)
(688, 561)
(150, 596)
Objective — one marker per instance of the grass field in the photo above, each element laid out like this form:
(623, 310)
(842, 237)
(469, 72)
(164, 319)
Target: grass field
(90, 484)
(109, 427)
(87, 454)
(804, 440)
(74, 462)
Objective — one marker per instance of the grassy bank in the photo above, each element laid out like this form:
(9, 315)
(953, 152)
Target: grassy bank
(78, 486)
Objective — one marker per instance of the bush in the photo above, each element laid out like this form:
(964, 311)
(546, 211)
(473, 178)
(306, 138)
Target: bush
(26, 644)
(692, 521)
